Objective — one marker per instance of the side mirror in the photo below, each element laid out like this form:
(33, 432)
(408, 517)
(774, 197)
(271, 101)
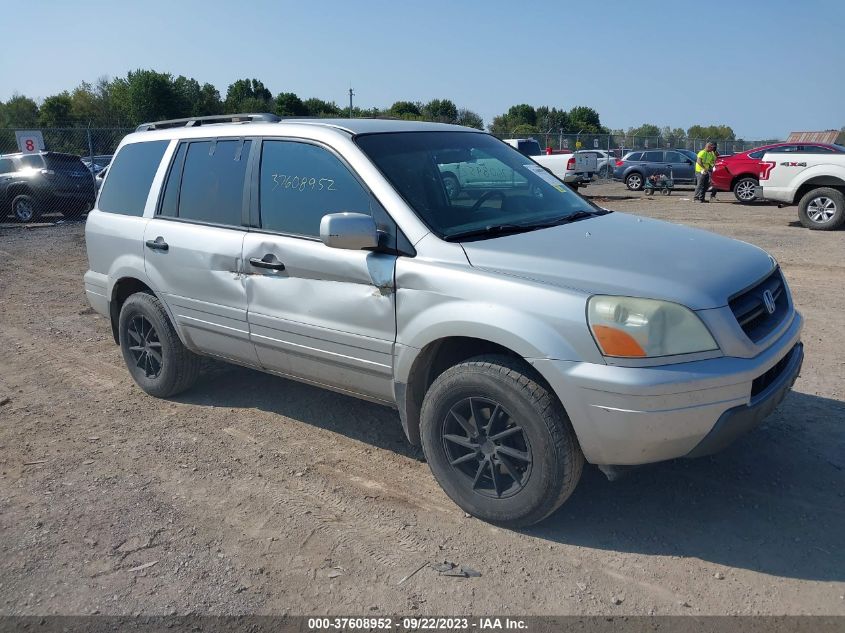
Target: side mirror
(350, 231)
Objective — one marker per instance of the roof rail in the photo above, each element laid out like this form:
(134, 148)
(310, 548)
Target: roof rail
(194, 121)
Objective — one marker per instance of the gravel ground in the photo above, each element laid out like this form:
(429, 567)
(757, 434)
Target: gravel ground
(252, 494)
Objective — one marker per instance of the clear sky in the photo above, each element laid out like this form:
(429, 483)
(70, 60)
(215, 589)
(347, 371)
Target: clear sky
(765, 67)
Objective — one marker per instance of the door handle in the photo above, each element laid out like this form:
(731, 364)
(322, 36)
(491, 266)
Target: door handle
(269, 261)
(158, 244)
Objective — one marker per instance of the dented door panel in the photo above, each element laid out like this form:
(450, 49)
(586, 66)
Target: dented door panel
(328, 317)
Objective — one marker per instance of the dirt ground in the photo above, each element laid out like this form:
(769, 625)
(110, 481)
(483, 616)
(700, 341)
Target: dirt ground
(252, 494)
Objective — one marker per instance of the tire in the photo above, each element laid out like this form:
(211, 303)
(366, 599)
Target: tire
(452, 186)
(176, 369)
(648, 191)
(25, 208)
(544, 455)
(744, 189)
(604, 172)
(666, 192)
(822, 209)
(634, 181)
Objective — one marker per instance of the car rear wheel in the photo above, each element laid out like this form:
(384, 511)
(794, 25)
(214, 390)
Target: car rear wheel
(25, 209)
(157, 360)
(499, 444)
(744, 189)
(822, 209)
(634, 181)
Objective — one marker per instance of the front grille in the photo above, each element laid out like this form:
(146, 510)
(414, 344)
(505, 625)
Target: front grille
(760, 383)
(750, 310)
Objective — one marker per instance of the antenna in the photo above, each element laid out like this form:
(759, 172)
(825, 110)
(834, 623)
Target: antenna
(351, 93)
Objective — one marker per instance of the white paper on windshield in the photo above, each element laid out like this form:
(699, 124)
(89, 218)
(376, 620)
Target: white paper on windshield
(542, 173)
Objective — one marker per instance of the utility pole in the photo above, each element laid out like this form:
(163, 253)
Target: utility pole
(350, 101)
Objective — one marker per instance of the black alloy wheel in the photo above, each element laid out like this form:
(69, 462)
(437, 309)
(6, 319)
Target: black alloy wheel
(485, 445)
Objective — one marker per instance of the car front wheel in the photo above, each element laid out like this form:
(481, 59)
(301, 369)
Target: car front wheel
(744, 189)
(157, 360)
(822, 209)
(499, 444)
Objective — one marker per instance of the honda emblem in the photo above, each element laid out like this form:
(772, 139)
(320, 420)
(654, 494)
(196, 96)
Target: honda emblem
(769, 301)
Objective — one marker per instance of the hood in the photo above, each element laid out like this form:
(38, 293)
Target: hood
(620, 254)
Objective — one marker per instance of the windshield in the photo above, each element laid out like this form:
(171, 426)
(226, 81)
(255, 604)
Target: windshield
(464, 182)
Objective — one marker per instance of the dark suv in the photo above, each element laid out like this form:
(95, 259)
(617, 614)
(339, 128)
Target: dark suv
(45, 182)
(636, 166)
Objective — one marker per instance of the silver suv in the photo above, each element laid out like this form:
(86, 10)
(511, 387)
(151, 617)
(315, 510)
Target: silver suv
(518, 329)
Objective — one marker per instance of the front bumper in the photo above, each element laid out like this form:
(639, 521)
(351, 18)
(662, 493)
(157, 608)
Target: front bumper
(639, 415)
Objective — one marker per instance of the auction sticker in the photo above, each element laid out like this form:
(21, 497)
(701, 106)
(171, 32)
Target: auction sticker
(554, 181)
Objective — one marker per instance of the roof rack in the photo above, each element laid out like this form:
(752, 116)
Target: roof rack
(194, 121)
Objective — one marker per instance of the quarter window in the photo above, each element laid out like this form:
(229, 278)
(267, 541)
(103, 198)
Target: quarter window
(131, 175)
(213, 182)
(300, 183)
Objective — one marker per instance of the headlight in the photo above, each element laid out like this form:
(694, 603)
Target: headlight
(639, 328)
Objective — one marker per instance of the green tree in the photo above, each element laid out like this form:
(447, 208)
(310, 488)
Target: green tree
(585, 119)
(319, 108)
(55, 111)
(288, 104)
(442, 110)
(523, 129)
(147, 95)
(469, 119)
(646, 129)
(405, 109)
(714, 132)
(552, 119)
(247, 95)
(195, 99)
(20, 111)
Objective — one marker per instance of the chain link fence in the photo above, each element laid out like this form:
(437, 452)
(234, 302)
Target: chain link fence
(617, 145)
(52, 187)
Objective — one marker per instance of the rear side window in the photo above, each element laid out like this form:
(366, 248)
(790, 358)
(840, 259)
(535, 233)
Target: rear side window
(634, 156)
(300, 183)
(817, 149)
(757, 155)
(213, 182)
(32, 160)
(653, 157)
(63, 162)
(131, 175)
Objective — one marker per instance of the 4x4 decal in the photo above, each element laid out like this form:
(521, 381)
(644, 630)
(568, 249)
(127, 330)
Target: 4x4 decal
(788, 164)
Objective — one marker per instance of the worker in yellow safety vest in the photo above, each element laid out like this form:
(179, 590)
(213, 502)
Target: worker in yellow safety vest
(704, 163)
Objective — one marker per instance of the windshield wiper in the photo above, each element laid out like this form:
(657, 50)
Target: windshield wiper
(507, 229)
(566, 219)
(492, 229)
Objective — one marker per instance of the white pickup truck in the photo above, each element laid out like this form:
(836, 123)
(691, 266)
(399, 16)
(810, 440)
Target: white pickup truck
(574, 169)
(815, 182)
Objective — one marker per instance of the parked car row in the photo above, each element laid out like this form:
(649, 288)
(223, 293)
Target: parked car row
(44, 182)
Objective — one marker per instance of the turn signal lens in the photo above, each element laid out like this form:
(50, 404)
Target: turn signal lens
(616, 342)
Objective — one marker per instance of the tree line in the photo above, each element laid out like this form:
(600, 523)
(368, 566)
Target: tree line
(148, 95)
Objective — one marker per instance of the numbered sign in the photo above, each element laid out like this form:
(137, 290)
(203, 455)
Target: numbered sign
(645, 144)
(596, 143)
(566, 143)
(30, 141)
